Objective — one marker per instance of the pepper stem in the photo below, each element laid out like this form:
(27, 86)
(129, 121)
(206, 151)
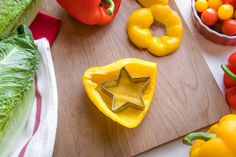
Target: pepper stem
(111, 8)
(228, 71)
(188, 140)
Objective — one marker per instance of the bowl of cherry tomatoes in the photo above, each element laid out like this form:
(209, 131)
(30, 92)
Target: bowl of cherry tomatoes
(216, 20)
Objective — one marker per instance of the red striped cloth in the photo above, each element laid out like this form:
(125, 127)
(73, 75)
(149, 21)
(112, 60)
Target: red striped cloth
(43, 26)
(37, 119)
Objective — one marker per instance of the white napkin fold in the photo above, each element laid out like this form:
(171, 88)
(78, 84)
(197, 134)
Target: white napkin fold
(38, 136)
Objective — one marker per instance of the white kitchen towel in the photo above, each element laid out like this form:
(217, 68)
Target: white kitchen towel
(38, 136)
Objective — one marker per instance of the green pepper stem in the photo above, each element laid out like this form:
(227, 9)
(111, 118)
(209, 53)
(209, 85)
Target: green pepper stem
(228, 71)
(111, 8)
(188, 140)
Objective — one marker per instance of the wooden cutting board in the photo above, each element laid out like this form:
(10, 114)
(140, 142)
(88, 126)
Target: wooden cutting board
(187, 97)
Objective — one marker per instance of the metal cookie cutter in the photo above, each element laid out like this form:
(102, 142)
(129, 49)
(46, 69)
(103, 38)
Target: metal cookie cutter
(106, 86)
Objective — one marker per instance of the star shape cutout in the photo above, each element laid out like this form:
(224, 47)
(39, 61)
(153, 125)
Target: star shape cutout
(126, 91)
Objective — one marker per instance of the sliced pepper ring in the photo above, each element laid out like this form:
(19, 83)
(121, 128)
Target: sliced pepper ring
(149, 3)
(139, 33)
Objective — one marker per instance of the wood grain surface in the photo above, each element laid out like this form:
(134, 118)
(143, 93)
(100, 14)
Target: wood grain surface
(187, 97)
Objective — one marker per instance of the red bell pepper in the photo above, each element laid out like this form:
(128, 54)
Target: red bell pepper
(92, 12)
(230, 80)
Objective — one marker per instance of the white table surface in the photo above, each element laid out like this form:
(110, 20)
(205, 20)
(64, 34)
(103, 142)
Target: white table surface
(214, 55)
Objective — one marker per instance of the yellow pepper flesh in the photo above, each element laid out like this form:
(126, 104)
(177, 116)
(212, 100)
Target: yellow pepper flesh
(141, 20)
(94, 76)
(149, 3)
(222, 145)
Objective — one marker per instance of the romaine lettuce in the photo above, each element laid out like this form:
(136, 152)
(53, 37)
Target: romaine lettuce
(15, 12)
(19, 59)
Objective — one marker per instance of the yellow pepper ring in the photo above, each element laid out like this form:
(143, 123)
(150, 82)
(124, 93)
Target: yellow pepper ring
(141, 20)
(149, 3)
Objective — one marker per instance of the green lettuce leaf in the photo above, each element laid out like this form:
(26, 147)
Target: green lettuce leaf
(15, 12)
(19, 59)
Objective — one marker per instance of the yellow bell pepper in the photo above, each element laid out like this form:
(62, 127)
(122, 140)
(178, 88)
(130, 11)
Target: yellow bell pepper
(141, 20)
(149, 3)
(220, 141)
(95, 76)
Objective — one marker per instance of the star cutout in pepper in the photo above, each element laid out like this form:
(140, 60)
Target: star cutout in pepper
(126, 91)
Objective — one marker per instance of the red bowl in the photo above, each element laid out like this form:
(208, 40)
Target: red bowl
(209, 33)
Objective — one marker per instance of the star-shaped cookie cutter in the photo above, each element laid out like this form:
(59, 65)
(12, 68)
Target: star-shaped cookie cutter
(106, 85)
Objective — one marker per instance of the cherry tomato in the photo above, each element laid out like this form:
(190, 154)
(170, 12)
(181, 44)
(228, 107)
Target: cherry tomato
(225, 11)
(214, 4)
(235, 14)
(232, 2)
(229, 27)
(201, 5)
(209, 17)
(227, 1)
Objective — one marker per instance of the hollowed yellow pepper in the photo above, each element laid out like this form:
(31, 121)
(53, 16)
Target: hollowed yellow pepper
(141, 20)
(149, 3)
(95, 76)
(220, 141)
